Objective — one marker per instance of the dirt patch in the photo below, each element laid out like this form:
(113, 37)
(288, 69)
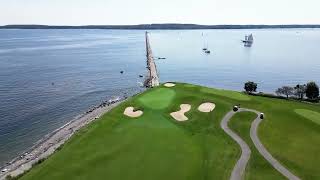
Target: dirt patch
(169, 84)
(179, 115)
(129, 111)
(206, 107)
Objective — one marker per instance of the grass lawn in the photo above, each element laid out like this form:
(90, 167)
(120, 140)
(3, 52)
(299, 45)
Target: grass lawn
(311, 115)
(258, 167)
(155, 146)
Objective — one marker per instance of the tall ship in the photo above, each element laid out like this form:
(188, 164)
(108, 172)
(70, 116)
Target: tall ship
(248, 40)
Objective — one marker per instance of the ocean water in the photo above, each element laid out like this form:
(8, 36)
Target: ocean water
(277, 57)
(47, 77)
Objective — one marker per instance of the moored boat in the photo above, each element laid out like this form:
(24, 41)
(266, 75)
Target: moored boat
(248, 40)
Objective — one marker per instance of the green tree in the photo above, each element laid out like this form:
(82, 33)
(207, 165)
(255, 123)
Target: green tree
(312, 90)
(285, 90)
(250, 86)
(300, 90)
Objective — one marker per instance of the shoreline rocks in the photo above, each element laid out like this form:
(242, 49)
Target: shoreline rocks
(52, 141)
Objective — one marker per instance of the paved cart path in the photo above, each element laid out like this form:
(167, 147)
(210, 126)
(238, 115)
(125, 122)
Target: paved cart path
(239, 168)
(266, 154)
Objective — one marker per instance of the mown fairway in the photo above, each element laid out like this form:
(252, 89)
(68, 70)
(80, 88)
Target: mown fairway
(258, 167)
(155, 146)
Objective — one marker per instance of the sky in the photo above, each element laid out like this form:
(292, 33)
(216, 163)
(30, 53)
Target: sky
(117, 12)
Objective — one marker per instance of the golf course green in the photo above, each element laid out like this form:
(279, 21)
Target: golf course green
(258, 167)
(156, 146)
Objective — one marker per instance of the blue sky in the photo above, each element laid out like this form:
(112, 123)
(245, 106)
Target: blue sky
(84, 12)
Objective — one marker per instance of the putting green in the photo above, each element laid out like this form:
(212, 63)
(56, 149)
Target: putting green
(159, 98)
(226, 93)
(311, 115)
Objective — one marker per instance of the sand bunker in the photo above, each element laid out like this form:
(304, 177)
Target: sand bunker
(169, 84)
(129, 111)
(179, 115)
(206, 107)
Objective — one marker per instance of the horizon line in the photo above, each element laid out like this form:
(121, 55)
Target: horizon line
(160, 26)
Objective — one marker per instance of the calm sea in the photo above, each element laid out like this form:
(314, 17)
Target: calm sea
(47, 77)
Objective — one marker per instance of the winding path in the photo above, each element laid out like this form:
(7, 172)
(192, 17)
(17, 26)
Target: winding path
(265, 153)
(239, 169)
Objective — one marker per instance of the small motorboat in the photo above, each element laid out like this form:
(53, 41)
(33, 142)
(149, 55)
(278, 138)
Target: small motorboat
(207, 51)
(121, 72)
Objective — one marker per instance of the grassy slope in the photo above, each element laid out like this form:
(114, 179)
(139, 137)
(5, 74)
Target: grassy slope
(311, 115)
(291, 139)
(155, 146)
(258, 167)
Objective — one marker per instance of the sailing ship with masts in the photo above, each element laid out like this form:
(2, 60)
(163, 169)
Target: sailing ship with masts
(205, 48)
(248, 40)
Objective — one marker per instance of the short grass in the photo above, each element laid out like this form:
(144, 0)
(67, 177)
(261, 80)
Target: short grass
(155, 146)
(227, 93)
(258, 168)
(160, 98)
(311, 115)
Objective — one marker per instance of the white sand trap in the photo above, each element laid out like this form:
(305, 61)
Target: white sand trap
(169, 84)
(129, 111)
(179, 115)
(206, 107)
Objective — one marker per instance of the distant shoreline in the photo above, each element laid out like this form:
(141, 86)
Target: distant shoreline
(164, 26)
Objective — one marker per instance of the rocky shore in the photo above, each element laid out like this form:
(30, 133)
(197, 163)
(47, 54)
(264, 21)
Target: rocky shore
(53, 141)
